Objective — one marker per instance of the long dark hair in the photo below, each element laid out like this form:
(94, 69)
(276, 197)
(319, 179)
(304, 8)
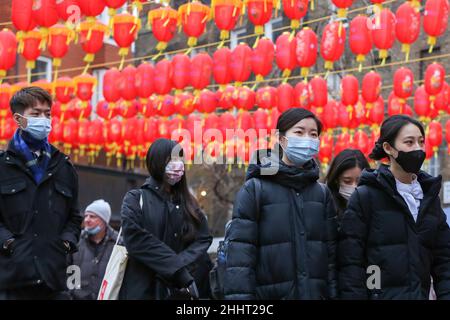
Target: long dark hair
(289, 118)
(345, 160)
(158, 156)
(389, 131)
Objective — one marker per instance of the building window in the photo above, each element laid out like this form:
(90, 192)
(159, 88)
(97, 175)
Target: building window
(234, 37)
(44, 66)
(98, 93)
(271, 29)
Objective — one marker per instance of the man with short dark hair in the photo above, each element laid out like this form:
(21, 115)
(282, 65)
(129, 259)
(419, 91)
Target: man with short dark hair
(40, 222)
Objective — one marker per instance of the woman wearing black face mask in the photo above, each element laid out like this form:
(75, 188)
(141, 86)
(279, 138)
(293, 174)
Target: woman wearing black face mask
(165, 232)
(394, 229)
(282, 239)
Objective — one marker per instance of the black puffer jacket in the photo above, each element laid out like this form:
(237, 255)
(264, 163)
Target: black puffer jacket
(287, 249)
(378, 229)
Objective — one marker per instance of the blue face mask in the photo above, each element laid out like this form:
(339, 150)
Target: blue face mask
(93, 231)
(38, 128)
(300, 150)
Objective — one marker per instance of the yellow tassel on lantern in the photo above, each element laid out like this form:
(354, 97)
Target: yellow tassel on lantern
(431, 42)
(192, 41)
(295, 24)
(224, 34)
(329, 65)
(259, 30)
(383, 55)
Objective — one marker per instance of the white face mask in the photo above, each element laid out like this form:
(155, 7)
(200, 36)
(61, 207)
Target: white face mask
(346, 190)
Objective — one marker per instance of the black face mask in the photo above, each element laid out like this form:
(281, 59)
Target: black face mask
(411, 161)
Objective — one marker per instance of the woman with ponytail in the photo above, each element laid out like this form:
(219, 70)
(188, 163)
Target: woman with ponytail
(394, 237)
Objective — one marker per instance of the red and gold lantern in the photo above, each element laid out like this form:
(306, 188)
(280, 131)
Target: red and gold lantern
(306, 50)
(262, 58)
(193, 18)
(286, 54)
(407, 27)
(226, 14)
(435, 20)
(125, 30)
(163, 22)
(360, 38)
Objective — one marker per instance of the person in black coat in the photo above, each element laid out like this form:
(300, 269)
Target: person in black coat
(343, 176)
(282, 237)
(394, 236)
(164, 230)
(40, 223)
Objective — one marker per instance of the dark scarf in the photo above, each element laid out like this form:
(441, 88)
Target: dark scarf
(25, 144)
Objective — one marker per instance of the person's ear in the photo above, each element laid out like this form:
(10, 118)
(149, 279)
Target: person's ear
(389, 150)
(281, 140)
(20, 120)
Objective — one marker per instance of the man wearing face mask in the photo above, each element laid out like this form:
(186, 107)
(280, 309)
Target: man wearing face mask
(39, 216)
(94, 250)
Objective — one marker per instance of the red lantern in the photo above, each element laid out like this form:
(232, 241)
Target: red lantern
(442, 99)
(225, 98)
(272, 119)
(83, 137)
(166, 107)
(267, 97)
(200, 71)
(5, 96)
(184, 103)
(222, 66)
(211, 122)
(70, 135)
(65, 8)
(125, 29)
(58, 42)
(319, 92)
(306, 51)
(81, 109)
(22, 16)
(330, 116)
(262, 58)
(244, 120)
(295, 10)
(349, 90)
(383, 32)
(91, 38)
(259, 13)
(163, 22)
(227, 121)
(56, 134)
(422, 103)
(64, 88)
(241, 66)
(434, 79)
(435, 20)
(326, 149)
(207, 101)
(127, 85)
(403, 83)
(447, 135)
(332, 44)
(8, 49)
(30, 48)
(111, 88)
(376, 114)
(128, 109)
(244, 98)
(226, 14)
(371, 88)
(428, 149)
(104, 111)
(360, 38)
(163, 77)
(407, 27)
(342, 6)
(91, 8)
(95, 137)
(342, 142)
(260, 120)
(285, 54)
(361, 142)
(435, 135)
(181, 66)
(301, 95)
(285, 97)
(144, 81)
(44, 84)
(45, 13)
(113, 5)
(194, 16)
(84, 88)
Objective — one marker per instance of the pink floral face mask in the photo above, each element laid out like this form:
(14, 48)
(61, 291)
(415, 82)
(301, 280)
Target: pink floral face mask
(174, 172)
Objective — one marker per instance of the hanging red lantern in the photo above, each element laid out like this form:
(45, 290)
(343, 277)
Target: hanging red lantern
(241, 66)
(111, 89)
(30, 48)
(342, 142)
(422, 103)
(166, 107)
(144, 81)
(5, 96)
(295, 10)
(128, 109)
(125, 30)
(163, 22)
(163, 77)
(56, 134)
(95, 138)
(57, 111)
(22, 16)
(285, 54)
(81, 109)
(306, 50)
(272, 119)
(330, 116)
(114, 5)
(193, 17)
(8, 49)
(260, 12)
(342, 7)
(181, 66)
(66, 8)
(84, 88)
(434, 79)
(447, 135)
(91, 8)
(428, 150)
(148, 107)
(222, 68)
(344, 113)
(371, 88)
(207, 101)
(45, 13)
(349, 90)
(184, 103)
(435, 20)
(44, 84)
(360, 38)
(403, 83)
(302, 95)
(70, 135)
(91, 38)
(200, 71)
(260, 120)
(58, 42)
(83, 138)
(192, 122)
(225, 98)
(442, 99)
(226, 121)
(383, 32)
(267, 97)
(407, 27)
(285, 97)
(211, 122)
(333, 44)
(376, 113)
(435, 135)
(127, 85)
(361, 142)
(244, 98)
(113, 138)
(326, 149)
(64, 89)
(244, 121)
(319, 92)
(226, 14)
(262, 58)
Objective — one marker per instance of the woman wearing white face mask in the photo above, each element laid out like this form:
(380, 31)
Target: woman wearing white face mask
(165, 232)
(343, 176)
(281, 242)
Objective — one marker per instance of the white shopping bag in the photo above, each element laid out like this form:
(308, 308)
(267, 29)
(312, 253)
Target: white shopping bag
(115, 271)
